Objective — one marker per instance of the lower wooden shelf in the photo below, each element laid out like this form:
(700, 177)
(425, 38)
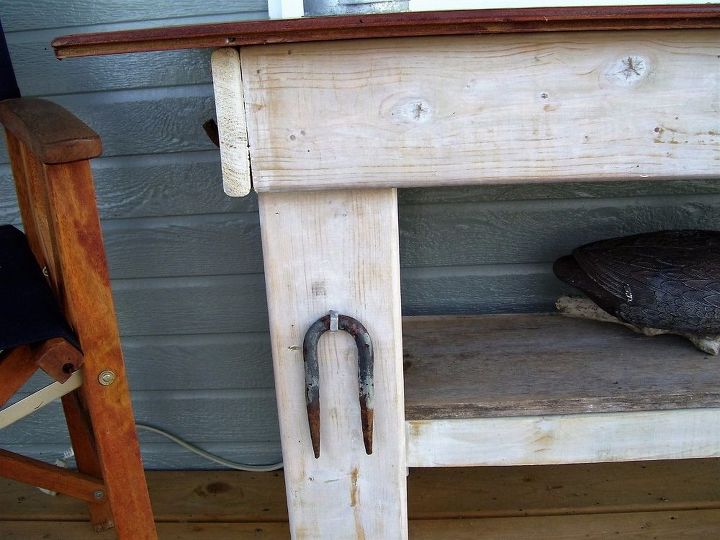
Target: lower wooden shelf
(544, 389)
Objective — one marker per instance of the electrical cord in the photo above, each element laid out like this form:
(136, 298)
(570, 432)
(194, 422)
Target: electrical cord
(208, 455)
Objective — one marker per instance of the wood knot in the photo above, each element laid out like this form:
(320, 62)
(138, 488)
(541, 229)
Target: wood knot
(411, 111)
(628, 70)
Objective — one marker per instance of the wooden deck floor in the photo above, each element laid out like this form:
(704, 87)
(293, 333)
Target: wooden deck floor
(651, 500)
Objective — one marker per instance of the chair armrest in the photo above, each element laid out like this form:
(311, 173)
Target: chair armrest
(51, 132)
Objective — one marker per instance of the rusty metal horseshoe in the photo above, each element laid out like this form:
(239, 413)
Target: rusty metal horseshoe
(366, 386)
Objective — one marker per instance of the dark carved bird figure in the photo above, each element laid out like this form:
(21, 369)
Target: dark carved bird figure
(660, 282)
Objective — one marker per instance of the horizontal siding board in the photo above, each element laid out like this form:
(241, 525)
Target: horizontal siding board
(184, 246)
(191, 183)
(228, 304)
(505, 289)
(149, 186)
(145, 122)
(218, 416)
(164, 185)
(515, 232)
(203, 362)
(200, 305)
(105, 73)
(562, 190)
(20, 15)
(160, 456)
(474, 234)
(200, 362)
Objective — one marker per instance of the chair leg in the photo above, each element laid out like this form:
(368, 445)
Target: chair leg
(118, 452)
(83, 442)
(89, 307)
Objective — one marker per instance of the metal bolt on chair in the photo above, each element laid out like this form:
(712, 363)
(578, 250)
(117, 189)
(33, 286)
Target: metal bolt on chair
(57, 315)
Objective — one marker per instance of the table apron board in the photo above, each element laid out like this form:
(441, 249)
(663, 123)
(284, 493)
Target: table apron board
(462, 110)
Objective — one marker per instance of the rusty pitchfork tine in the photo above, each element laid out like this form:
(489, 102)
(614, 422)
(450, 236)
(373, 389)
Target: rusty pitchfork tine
(366, 386)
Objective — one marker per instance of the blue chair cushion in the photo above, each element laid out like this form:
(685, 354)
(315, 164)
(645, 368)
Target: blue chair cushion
(29, 312)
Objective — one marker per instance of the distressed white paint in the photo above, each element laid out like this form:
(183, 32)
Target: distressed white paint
(323, 251)
(432, 5)
(483, 109)
(39, 399)
(232, 127)
(285, 9)
(575, 438)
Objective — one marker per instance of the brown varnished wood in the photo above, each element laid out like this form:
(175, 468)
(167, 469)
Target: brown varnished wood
(86, 458)
(20, 165)
(441, 23)
(58, 358)
(52, 133)
(49, 150)
(41, 474)
(90, 311)
(16, 367)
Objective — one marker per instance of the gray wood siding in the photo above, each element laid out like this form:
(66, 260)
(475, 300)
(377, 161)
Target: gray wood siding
(186, 261)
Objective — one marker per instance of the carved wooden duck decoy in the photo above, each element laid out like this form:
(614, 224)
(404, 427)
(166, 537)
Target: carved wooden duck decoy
(655, 283)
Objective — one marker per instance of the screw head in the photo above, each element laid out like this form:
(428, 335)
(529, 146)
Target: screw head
(107, 377)
(99, 494)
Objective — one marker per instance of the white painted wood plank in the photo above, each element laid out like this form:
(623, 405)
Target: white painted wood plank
(232, 127)
(39, 399)
(484, 109)
(576, 438)
(285, 9)
(323, 251)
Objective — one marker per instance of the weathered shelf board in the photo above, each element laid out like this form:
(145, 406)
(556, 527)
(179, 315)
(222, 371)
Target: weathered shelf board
(484, 109)
(545, 364)
(488, 21)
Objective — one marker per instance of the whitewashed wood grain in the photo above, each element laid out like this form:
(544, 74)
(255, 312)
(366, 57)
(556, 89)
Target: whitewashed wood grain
(575, 438)
(484, 109)
(339, 251)
(232, 127)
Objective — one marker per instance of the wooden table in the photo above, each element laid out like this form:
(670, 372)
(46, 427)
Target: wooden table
(325, 118)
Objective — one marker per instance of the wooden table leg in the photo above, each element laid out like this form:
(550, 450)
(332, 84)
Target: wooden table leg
(338, 250)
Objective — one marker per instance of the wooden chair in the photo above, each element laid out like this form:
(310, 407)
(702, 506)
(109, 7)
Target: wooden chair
(49, 151)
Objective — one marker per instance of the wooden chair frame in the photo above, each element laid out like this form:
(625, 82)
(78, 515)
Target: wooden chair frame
(49, 151)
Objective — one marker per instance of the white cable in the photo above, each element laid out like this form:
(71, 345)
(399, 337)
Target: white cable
(207, 455)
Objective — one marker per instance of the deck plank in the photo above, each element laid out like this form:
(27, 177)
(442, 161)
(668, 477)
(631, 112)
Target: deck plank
(487, 492)
(685, 525)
